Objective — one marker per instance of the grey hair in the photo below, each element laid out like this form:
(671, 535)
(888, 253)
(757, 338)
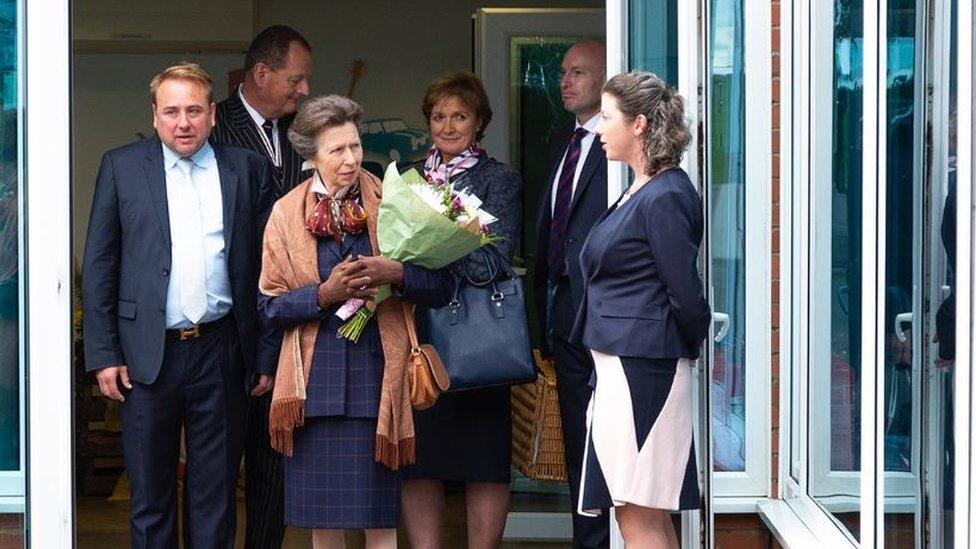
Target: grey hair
(324, 111)
(667, 135)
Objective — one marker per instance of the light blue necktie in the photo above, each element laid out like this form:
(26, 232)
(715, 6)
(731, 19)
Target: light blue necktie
(193, 282)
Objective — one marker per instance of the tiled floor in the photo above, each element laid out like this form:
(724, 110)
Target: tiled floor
(103, 524)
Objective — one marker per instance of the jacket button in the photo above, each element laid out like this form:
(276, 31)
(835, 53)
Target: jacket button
(165, 272)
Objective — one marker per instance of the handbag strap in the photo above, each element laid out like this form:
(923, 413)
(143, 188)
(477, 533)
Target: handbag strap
(491, 264)
(408, 317)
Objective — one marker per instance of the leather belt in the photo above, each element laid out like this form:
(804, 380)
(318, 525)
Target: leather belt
(198, 330)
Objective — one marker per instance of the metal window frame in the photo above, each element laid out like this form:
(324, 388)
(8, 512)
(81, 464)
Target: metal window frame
(47, 106)
(13, 482)
(965, 466)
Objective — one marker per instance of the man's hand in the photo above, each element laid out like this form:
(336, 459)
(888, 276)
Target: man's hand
(265, 383)
(109, 378)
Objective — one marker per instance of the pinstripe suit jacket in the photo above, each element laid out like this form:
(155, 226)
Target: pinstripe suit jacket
(236, 127)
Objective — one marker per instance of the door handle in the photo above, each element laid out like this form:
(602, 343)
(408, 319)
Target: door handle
(723, 319)
(900, 319)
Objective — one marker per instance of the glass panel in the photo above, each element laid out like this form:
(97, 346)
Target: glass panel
(938, 339)
(10, 379)
(834, 422)
(903, 270)
(727, 204)
(653, 36)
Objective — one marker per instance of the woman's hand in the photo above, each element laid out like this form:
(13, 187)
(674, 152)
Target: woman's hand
(370, 272)
(335, 290)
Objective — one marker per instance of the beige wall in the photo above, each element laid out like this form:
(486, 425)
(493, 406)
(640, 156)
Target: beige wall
(111, 104)
(405, 44)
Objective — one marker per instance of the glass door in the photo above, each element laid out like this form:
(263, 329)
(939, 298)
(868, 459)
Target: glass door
(665, 37)
(939, 361)
(920, 368)
(906, 240)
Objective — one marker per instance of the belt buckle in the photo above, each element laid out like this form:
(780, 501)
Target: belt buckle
(188, 333)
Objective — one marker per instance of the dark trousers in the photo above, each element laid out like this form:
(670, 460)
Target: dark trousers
(574, 366)
(199, 391)
(264, 492)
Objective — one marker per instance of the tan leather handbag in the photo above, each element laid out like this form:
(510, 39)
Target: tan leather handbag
(428, 378)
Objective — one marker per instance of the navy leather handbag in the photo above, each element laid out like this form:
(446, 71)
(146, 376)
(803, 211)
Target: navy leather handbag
(482, 335)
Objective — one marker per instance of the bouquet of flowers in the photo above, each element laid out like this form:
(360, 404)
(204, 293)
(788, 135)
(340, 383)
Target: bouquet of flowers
(427, 224)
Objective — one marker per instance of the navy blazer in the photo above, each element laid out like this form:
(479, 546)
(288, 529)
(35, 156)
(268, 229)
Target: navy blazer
(346, 377)
(643, 295)
(128, 256)
(589, 202)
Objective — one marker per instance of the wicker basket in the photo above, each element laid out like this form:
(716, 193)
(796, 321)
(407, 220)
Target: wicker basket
(537, 434)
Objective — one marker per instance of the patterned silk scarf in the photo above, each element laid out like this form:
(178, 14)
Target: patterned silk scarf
(337, 215)
(440, 172)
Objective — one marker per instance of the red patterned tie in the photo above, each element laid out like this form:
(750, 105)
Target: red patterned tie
(561, 210)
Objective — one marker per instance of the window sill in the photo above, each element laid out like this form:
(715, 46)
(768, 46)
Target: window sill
(11, 505)
(799, 523)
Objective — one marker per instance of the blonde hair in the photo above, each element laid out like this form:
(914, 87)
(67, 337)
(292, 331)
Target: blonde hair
(667, 135)
(182, 71)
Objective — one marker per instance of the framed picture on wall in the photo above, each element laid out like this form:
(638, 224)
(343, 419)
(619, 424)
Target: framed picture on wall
(518, 53)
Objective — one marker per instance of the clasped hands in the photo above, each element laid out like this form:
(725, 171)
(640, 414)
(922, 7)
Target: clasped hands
(359, 277)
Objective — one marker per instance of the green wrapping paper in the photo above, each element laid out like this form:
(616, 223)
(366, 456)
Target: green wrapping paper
(409, 230)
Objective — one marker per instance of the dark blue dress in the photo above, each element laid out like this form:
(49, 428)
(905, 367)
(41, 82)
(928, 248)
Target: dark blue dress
(332, 480)
(467, 436)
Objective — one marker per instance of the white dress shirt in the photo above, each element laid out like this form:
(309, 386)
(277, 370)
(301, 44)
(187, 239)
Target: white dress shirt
(206, 180)
(273, 148)
(585, 145)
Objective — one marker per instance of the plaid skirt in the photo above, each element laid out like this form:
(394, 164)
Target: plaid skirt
(332, 480)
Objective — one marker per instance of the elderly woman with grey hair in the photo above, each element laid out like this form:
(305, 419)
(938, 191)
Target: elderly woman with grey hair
(339, 411)
(643, 317)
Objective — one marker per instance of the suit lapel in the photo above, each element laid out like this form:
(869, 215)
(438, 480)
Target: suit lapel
(555, 158)
(594, 159)
(156, 181)
(228, 192)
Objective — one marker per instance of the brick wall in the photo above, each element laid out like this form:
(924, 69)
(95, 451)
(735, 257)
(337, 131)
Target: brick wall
(742, 531)
(11, 531)
(775, 247)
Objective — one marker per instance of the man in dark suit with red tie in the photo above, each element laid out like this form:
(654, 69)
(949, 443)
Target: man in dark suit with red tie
(256, 117)
(575, 196)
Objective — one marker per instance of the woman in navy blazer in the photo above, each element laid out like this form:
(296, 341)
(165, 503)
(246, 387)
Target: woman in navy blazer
(643, 317)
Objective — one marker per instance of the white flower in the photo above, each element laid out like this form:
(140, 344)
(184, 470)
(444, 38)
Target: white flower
(431, 196)
(472, 207)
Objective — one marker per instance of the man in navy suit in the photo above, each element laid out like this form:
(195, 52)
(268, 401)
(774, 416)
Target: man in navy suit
(575, 197)
(171, 267)
(257, 117)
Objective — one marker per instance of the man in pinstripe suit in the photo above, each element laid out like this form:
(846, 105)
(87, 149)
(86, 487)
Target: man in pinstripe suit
(257, 117)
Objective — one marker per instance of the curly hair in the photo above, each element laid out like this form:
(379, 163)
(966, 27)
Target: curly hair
(667, 135)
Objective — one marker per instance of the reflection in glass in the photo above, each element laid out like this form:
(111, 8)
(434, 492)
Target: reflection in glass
(653, 36)
(937, 433)
(840, 370)
(9, 242)
(902, 275)
(727, 181)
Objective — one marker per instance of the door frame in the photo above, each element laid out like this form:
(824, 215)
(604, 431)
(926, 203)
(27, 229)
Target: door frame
(49, 520)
